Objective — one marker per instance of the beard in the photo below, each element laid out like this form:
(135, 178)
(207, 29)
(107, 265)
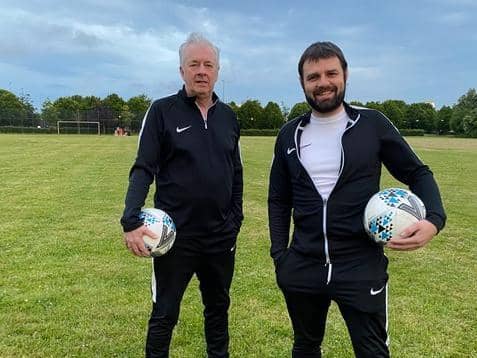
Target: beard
(328, 105)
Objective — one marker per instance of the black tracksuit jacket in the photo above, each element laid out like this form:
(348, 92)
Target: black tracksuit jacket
(197, 168)
(332, 232)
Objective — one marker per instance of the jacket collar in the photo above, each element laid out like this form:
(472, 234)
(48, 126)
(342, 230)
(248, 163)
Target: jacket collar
(191, 100)
(352, 113)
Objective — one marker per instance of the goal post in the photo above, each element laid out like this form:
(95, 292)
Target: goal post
(78, 127)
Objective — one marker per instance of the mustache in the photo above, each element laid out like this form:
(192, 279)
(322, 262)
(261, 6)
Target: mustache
(320, 90)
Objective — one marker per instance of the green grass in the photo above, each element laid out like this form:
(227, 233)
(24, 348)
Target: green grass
(68, 287)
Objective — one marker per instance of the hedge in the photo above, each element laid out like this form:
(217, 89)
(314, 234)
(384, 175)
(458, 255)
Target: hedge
(412, 132)
(274, 132)
(35, 130)
(243, 132)
(259, 132)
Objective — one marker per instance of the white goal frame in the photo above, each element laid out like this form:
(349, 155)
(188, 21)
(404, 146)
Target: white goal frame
(78, 124)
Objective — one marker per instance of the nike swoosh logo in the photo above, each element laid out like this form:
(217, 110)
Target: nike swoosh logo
(374, 293)
(180, 130)
(290, 150)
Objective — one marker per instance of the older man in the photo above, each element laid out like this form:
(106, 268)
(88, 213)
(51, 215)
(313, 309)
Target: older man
(189, 144)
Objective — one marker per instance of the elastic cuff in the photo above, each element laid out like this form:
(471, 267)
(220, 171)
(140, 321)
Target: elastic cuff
(131, 227)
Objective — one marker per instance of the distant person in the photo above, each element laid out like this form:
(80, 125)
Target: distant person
(189, 144)
(119, 132)
(327, 165)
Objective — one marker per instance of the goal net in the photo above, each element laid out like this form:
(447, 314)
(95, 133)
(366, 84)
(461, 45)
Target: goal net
(78, 127)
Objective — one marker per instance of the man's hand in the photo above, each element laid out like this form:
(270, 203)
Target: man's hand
(135, 243)
(413, 237)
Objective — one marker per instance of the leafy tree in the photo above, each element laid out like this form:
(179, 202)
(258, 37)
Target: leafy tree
(12, 110)
(375, 105)
(272, 116)
(90, 108)
(138, 106)
(32, 118)
(115, 103)
(125, 117)
(90, 102)
(49, 113)
(356, 103)
(249, 114)
(234, 107)
(285, 110)
(443, 118)
(298, 109)
(421, 116)
(469, 123)
(395, 110)
(68, 108)
(464, 106)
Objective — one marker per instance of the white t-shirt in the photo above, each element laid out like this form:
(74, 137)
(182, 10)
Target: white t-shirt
(320, 150)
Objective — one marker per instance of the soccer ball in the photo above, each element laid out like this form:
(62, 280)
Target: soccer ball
(162, 225)
(390, 211)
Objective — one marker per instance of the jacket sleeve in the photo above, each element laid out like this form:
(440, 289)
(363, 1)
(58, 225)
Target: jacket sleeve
(237, 185)
(143, 170)
(279, 203)
(405, 166)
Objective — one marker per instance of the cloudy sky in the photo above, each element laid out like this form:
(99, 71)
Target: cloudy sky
(419, 50)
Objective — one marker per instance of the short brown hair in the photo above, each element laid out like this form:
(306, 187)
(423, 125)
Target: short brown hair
(320, 50)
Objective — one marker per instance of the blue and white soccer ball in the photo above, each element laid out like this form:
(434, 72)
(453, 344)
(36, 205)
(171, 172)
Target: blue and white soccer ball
(390, 211)
(162, 225)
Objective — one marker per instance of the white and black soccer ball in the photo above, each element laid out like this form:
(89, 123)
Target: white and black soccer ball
(390, 211)
(162, 225)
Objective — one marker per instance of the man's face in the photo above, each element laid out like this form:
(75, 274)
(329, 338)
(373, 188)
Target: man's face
(199, 70)
(324, 84)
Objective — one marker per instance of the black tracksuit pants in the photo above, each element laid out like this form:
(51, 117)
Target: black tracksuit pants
(308, 312)
(358, 286)
(172, 273)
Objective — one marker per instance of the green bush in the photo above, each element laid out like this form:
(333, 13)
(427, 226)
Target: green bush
(259, 132)
(274, 132)
(412, 132)
(12, 129)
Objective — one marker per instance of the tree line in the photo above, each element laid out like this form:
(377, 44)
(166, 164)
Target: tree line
(113, 111)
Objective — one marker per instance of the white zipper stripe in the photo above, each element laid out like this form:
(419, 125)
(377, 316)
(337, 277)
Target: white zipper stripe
(240, 152)
(388, 339)
(325, 208)
(325, 201)
(153, 283)
(143, 124)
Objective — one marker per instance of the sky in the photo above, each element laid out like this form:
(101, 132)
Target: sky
(415, 51)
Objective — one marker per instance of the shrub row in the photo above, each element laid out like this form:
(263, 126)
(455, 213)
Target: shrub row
(12, 129)
(274, 132)
(412, 132)
(244, 132)
(259, 132)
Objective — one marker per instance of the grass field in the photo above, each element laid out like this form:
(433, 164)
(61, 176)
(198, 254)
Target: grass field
(68, 287)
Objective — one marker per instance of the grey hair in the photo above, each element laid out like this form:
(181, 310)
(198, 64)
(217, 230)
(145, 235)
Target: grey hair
(196, 38)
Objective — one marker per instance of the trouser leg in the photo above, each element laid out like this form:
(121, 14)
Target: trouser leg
(368, 331)
(308, 316)
(171, 275)
(215, 276)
